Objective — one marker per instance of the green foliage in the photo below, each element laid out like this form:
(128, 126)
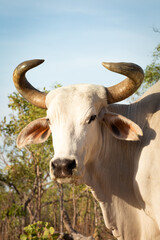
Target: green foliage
(14, 210)
(25, 172)
(152, 73)
(39, 230)
(22, 163)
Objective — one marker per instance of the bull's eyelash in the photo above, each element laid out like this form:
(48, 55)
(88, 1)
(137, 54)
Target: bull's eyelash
(92, 118)
(48, 121)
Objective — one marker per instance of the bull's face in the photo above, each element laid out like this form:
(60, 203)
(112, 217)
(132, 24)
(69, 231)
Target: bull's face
(76, 117)
(73, 113)
(73, 118)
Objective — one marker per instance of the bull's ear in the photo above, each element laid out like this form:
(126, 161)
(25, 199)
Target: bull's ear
(35, 132)
(121, 127)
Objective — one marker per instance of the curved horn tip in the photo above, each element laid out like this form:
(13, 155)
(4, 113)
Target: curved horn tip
(27, 65)
(34, 62)
(111, 65)
(122, 67)
(38, 61)
(106, 64)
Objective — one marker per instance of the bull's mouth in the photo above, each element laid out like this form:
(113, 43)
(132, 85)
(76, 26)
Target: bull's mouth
(65, 180)
(68, 178)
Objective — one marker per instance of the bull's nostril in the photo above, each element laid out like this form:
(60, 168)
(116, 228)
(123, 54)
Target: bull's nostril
(53, 165)
(72, 164)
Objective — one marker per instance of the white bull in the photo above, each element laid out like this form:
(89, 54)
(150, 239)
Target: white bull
(114, 149)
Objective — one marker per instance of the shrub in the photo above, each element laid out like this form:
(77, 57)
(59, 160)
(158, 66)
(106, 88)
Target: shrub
(39, 231)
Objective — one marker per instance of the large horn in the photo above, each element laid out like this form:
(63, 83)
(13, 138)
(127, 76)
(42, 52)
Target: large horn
(30, 93)
(126, 88)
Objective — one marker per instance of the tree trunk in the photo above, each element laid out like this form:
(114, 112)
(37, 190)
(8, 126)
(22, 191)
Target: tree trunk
(38, 192)
(74, 208)
(61, 207)
(74, 234)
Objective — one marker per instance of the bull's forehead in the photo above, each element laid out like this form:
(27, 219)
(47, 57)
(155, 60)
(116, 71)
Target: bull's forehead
(82, 96)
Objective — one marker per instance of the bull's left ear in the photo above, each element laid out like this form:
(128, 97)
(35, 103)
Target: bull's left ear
(122, 127)
(35, 132)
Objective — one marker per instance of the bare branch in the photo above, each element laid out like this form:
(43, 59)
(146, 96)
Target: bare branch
(10, 184)
(75, 235)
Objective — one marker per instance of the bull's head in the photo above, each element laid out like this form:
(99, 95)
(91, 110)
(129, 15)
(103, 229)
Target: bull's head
(77, 116)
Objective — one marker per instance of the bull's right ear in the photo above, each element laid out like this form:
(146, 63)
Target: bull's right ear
(121, 127)
(35, 132)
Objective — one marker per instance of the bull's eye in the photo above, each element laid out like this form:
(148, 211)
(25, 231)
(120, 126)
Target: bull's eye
(92, 118)
(48, 122)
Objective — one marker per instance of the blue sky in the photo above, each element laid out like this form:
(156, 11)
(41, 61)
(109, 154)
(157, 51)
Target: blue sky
(74, 37)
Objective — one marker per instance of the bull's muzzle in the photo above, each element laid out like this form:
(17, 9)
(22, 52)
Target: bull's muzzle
(63, 168)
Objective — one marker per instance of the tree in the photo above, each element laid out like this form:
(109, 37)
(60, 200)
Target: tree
(24, 171)
(152, 73)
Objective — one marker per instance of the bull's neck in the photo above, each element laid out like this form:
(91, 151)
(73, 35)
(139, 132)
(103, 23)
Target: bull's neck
(110, 175)
(112, 170)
